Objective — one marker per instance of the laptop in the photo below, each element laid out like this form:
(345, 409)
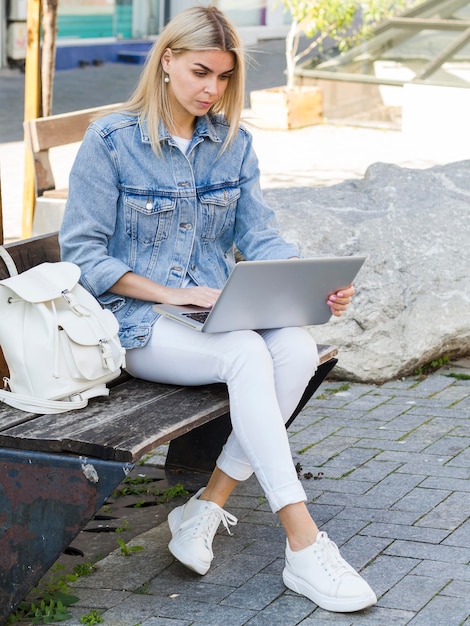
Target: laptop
(271, 294)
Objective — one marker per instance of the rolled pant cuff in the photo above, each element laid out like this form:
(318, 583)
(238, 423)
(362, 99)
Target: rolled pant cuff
(288, 494)
(236, 469)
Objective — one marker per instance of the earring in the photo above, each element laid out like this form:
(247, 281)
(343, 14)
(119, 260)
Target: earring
(166, 79)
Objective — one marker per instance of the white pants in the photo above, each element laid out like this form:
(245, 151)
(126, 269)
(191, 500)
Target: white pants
(266, 373)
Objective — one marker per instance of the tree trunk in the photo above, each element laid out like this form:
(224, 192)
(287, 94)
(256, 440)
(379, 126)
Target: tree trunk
(291, 50)
(49, 25)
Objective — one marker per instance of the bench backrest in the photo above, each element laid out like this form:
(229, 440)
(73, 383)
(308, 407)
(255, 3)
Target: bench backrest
(44, 133)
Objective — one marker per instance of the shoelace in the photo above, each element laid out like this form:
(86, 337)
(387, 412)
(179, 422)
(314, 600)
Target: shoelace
(207, 523)
(337, 566)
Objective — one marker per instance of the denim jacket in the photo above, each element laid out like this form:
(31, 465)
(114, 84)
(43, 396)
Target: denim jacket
(172, 218)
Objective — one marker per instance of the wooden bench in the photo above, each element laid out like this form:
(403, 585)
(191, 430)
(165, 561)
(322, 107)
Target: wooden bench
(42, 134)
(57, 470)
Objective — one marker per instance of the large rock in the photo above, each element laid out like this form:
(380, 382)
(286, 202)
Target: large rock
(413, 293)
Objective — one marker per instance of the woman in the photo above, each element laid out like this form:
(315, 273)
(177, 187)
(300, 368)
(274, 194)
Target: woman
(160, 195)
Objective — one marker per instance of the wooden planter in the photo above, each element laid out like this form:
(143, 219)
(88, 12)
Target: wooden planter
(282, 109)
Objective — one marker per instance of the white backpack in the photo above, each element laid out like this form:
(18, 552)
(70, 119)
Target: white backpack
(60, 345)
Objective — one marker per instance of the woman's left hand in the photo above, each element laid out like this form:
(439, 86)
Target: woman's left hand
(339, 301)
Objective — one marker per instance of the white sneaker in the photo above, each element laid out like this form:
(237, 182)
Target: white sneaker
(321, 574)
(193, 527)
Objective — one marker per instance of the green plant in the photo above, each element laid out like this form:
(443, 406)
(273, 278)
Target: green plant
(346, 22)
(133, 486)
(84, 569)
(142, 485)
(432, 366)
(459, 376)
(142, 590)
(49, 602)
(332, 390)
(128, 550)
(43, 612)
(93, 617)
(125, 526)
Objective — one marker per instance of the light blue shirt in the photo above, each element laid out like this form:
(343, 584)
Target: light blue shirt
(170, 218)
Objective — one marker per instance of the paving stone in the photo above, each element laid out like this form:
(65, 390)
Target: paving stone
(360, 550)
(411, 593)
(353, 500)
(462, 460)
(418, 550)
(288, 610)
(383, 515)
(204, 614)
(99, 598)
(323, 451)
(433, 466)
(406, 421)
(385, 443)
(407, 532)
(444, 570)
(342, 530)
(161, 621)
(431, 408)
(460, 536)
(136, 609)
(346, 484)
(443, 610)
(450, 484)
(351, 458)
(458, 588)
(420, 499)
(256, 593)
(375, 471)
(450, 446)
(240, 569)
(171, 583)
(386, 571)
(376, 616)
(449, 514)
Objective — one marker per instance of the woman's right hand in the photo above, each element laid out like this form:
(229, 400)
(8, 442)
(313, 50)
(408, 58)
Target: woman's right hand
(199, 296)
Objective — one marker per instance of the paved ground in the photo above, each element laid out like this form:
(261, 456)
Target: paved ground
(386, 468)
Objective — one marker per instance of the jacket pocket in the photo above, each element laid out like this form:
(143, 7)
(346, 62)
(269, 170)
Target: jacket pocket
(218, 208)
(148, 217)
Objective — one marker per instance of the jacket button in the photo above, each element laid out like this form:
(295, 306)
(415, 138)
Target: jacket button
(186, 226)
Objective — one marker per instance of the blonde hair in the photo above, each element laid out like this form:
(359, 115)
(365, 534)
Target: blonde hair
(196, 28)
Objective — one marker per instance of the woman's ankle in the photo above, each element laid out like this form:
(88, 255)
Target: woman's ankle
(300, 528)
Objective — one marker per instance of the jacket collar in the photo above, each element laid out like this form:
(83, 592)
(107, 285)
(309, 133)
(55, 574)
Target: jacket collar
(204, 128)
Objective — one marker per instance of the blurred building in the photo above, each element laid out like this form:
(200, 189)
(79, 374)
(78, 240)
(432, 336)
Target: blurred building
(95, 31)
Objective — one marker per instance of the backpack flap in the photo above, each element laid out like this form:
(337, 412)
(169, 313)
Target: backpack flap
(44, 282)
(80, 334)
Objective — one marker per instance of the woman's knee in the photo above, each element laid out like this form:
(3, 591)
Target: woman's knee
(295, 345)
(248, 350)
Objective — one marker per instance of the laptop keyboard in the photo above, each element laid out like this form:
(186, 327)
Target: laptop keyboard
(199, 316)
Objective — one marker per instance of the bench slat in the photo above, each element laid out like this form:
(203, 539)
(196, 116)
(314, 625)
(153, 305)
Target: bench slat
(141, 416)
(151, 426)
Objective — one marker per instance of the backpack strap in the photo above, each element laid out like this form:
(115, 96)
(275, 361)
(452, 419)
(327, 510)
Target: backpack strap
(38, 405)
(8, 260)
